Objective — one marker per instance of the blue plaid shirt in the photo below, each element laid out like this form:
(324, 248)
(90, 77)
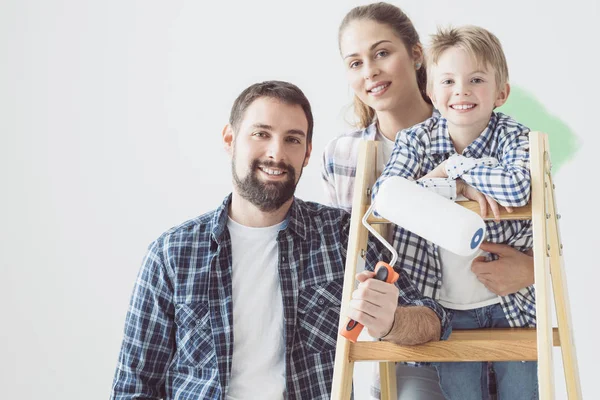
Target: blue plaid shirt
(421, 148)
(178, 341)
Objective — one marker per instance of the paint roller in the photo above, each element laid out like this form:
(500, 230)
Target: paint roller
(424, 213)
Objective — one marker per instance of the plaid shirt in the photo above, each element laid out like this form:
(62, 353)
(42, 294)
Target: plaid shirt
(501, 172)
(339, 167)
(178, 341)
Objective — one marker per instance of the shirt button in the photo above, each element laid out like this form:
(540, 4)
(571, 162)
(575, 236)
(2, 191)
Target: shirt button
(321, 301)
(283, 259)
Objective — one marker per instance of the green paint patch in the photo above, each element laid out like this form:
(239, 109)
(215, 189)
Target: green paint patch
(527, 110)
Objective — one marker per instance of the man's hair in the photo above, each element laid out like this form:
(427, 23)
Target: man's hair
(279, 90)
(482, 45)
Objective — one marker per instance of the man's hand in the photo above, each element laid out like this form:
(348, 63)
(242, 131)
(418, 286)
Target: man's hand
(512, 272)
(473, 194)
(373, 304)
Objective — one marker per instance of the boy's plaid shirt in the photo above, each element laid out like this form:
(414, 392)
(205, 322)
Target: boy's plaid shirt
(178, 339)
(421, 148)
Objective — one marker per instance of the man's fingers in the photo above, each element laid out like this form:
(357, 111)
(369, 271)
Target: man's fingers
(365, 307)
(378, 286)
(368, 295)
(360, 316)
(363, 276)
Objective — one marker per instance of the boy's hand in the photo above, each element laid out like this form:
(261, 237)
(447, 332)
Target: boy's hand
(512, 271)
(473, 194)
(374, 304)
(437, 172)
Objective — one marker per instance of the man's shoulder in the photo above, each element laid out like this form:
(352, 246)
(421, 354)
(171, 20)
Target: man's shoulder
(319, 215)
(188, 232)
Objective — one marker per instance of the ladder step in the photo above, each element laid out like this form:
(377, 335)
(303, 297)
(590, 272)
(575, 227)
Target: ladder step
(519, 213)
(507, 344)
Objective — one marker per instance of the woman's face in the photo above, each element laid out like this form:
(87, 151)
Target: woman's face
(380, 70)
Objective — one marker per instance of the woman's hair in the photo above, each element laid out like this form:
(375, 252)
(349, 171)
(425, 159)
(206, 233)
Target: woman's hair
(395, 18)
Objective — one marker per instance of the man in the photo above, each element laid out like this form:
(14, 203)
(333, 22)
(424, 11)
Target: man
(244, 301)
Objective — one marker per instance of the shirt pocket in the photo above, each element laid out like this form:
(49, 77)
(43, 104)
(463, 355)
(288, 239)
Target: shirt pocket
(319, 314)
(195, 346)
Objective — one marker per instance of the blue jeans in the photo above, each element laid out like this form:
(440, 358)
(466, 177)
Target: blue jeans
(469, 380)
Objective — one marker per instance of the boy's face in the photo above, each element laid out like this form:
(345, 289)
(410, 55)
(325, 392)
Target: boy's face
(463, 93)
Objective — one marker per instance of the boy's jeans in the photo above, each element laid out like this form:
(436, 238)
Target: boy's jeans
(469, 380)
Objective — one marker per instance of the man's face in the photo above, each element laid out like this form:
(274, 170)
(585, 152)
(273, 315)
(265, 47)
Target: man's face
(269, 151)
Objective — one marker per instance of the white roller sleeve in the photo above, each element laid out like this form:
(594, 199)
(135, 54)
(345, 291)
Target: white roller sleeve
(430, 216)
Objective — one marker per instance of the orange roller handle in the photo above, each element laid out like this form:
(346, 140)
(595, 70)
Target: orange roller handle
(383, 272)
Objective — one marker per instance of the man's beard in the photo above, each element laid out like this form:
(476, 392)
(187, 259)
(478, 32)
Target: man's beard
(267, 196)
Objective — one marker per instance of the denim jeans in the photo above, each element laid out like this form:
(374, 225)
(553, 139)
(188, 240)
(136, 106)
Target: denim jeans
(469, 380)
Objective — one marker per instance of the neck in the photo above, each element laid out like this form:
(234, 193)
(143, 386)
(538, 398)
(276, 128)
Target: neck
(463, 136)
(245, 213)
(407, 114)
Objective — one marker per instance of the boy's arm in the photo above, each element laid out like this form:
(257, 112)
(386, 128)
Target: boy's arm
(508, 181)
(148, 344)
(407, 160)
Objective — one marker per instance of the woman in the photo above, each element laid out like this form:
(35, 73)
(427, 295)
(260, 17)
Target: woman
(385, 67)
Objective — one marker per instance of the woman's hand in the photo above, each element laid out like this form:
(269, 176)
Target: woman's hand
(511, 272)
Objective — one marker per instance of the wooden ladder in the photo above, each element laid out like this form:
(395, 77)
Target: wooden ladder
(511, 344)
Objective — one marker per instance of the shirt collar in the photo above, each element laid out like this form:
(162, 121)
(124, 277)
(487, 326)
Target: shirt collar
(370, 132)
(441, 142)
(296, 219)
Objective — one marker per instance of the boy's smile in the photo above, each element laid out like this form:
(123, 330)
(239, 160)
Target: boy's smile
(465, 92)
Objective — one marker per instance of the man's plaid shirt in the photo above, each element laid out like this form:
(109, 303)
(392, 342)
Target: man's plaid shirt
(419, 149)
(178, 341)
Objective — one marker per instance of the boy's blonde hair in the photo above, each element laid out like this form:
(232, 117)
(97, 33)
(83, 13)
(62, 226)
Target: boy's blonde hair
(482, 45)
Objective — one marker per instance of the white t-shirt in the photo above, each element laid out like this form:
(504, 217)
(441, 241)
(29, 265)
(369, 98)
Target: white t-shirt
(461, 290)
(384, 151)
(258, 365)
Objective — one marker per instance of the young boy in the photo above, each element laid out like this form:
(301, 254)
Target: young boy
(484, 156)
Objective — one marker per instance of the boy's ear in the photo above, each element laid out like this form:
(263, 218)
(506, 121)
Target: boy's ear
(502, 95)
(228, 139)
(431, 95)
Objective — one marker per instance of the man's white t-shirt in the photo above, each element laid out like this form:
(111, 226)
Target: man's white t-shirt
(258, 365)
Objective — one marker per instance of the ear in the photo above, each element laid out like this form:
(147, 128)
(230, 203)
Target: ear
(431, 94)
(417, 54)
(502, 95)
(307, 156)
(228, 139)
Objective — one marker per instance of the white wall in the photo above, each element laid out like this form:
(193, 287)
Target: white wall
(110, 124)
